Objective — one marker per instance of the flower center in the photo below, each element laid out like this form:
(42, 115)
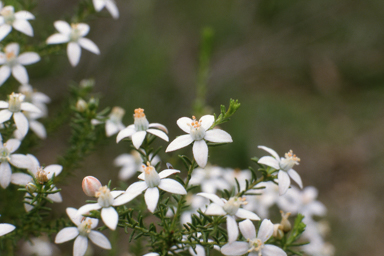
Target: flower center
(75, 33)
(10, 58)
(232, 206)
(8, 13)
(41, 175)
(15, 100)
(85, 227)
(116, 115)
(197, 132)
(289, 161)
(141, 122)
(151, 177)
(255, 245)
(4, 154)
(105, 197)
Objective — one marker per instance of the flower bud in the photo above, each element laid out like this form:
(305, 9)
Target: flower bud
(285, 224)
(31, 187)
(91, 185)
(81, 105)
(87, 83)
(277, 231)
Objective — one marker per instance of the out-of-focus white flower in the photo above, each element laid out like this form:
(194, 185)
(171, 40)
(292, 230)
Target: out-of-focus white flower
(198, 133)
(261, 203)
(230, 209)
(109, 4)
(37, 127)
(18, 20)
(38, 99)
(114, 123)
(137, 131)
(241, 175)
(14, 107)
(39, 246)
(284, 165)
(151, 182)
(6, 228)
(194, 202)
(73, 35)
(255, 245)
(210, 179)
(82, 232)
(7, 156)
(14, 63)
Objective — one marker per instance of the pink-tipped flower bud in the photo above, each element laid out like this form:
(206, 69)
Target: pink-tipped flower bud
(91, 185)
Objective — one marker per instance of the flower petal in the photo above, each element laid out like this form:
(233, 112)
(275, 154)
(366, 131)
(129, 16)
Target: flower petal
(172, 186)
(245, 214)
(296, 177)
(127, 132)
(4, 104)
(200, 152)
(284, 182)
(138, 138)
(159, 134)
(112, 8)
(25, 15)
(99, 4)
(133, 191)
(6, 228)
(53, 169)
(12, 47)
(26, 106)
(5, 115)
(5, 174)
(127, 172)
(72, 214)
(23, 26)
(232, 229)
(218, 135)
(99, 239)
(74, 53)
(5, 29)
(20, 178)
(20, 73)
(5, 72)
(82, 28)
(55, 197)
(270, 161)
(20, 161)
(270, 151)
(21, 123)
(87, 208)
(185, 124)
(265, 230)
(110, 217)
(207, 121)
(66, 234)
(57, 39)
(151, 198)
(12, 145)
(80, 246)
(247, 229)
(158, 126)
(28, 58)
(215, 209)
(89, 45)
(214, 198)
(179, 142)
(272, 250)
(39, 129)
(235, 248)
(63, 27)
(167, 172)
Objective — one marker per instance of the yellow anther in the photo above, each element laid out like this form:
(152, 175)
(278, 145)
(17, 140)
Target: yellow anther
(292, 156)
(139, 113)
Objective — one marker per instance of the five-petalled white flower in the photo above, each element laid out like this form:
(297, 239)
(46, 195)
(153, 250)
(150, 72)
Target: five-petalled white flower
(18, 20)
(139, 129)
(230, 209)
(255, 245)
(199, 133)
(109, 4)
(284, 165)
(82, 232)
(13, 63)
(151, 182)
(73, 35)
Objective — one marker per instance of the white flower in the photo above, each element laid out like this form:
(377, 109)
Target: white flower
(82, 232)
(255, 245)
(109, 4)
(18, 20)
(241, 175)
(139, 129)
(198, 133)
(13, 63)
(210, 179)
(261, 203)
(6, 228)
(114, 124)
(152, 181)
(74, 36)
(14, 107)
(38, 99)
(195, 203)
(230, 209)
(37, 127)
(106, 201)
(6, 157)
(284, 165)
(39, 246)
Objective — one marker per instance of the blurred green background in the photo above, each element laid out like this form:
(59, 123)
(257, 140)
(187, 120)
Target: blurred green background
(309, 76)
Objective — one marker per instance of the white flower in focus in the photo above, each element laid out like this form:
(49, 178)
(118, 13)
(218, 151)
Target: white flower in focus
(73, 35)
(7, 156)
(255, 245)
(198, 133)
(6, 228)
(13, 63)
(137, 131)
(109, 4)
(284, 165)
(14, 107)
(230, 209)
(38, 99)
(210, 179)
(106, 200)
(151, 182)
(82, 232)
(18, 20)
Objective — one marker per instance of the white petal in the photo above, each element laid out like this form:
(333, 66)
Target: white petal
(66, 234)
(127, 172)
(235, 248)
(55, 197)
(12, 145)
(72, 214)
(232, 229)
(24, 15)
(39, 129)
(117, 193)
(53, 169)
(23, 26)
(270, 151)
(138, 138)
(80, 246)
(3, 104)
(265, 231)
(207, 121)
(26, 106)
(6, 228)
(112, 8)
(179, 142)
(63, 27)
(247, 229)
(217, 135)
(20, 73)
(272, 250)
(57, 39)
(245, 214)
(5, 115)
(296, 177)
(167, 172)
(5, 174)
(284, 182)
(270, 161)
(214, 209)
(89, 45)
(87, 208)
(151, 198)
(28, 58)
(200, 152)
(158, 126)
(5, 72)
(133, 191)
(99, 239)
(20, 161)
(98, 4)
(110, 128)
(185, 124)
(127, 132)
(20, 178)
(214, 198)
(82, 28)
(5, 29)
(110, 217)
(74, 53)
(159, 134)
(12, 47)
(124, 159)
(200, 251)
(21, 123)
(172, 186)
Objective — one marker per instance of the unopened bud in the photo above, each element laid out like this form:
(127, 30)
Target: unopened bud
(81, 105)
(285, 224)
(87, 83)
(277, 231)
(31, 187)
(91, 185)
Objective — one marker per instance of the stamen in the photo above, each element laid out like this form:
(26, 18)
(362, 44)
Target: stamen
(139, 113)
(292, 156)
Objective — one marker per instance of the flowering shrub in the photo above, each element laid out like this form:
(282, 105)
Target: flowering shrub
(194, 207)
